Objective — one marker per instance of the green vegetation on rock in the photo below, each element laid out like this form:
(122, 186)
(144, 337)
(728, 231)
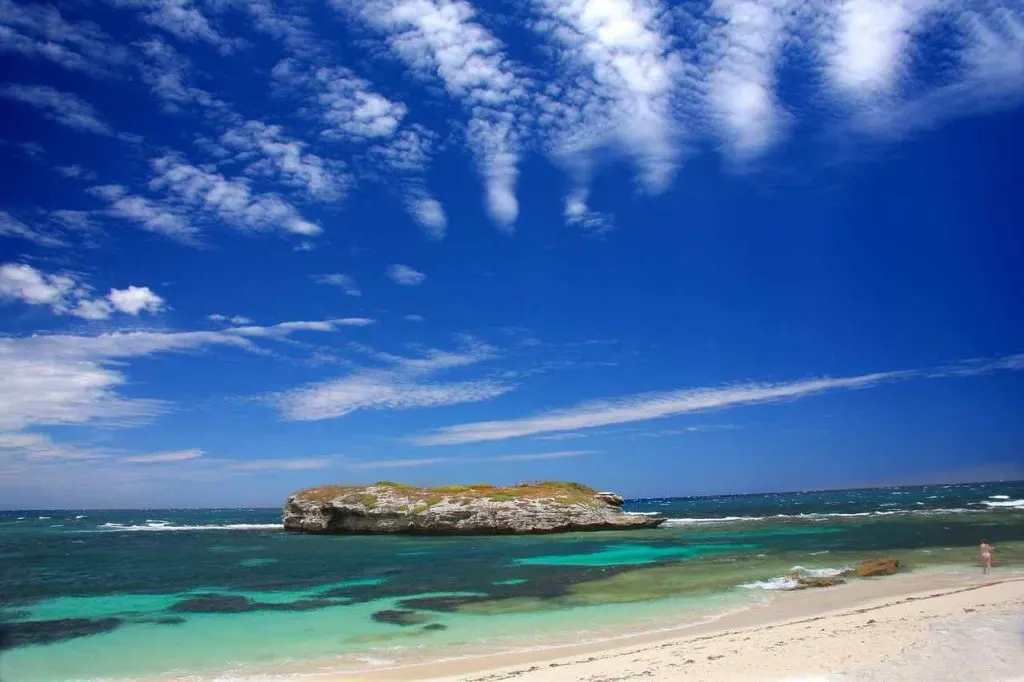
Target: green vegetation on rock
(566, 492)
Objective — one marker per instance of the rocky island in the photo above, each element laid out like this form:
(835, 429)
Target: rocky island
(386, 507)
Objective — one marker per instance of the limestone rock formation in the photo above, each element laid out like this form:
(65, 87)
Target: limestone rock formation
(874, 567)
(613, 499)
(386, 507)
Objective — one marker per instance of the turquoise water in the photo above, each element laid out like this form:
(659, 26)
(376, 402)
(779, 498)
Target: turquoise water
(134, 594)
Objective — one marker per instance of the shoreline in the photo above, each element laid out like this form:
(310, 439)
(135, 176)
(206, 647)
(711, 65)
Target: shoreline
(913, 599)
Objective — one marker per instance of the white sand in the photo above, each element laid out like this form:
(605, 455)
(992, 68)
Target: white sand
(935, 627)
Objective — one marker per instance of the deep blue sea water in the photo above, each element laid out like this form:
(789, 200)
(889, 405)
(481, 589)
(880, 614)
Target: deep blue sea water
(204, 593)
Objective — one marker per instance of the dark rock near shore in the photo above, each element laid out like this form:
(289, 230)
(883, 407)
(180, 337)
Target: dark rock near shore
(874, 567)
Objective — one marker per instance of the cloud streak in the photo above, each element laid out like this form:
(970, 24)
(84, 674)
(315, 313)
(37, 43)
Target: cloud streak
(60, 379)
(649, 406)
(61, 107)
(404, 383)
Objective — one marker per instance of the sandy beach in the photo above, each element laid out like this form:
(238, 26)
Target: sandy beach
(940, 625)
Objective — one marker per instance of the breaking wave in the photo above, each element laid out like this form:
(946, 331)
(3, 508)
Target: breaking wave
(835, 515)
(1005, 502)
(790, 582)
(155, 526)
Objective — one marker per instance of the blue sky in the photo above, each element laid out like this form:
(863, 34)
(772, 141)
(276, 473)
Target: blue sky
(661, 248)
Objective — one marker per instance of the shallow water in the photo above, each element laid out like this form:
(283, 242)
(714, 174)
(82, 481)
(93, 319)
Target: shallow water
(127, 594)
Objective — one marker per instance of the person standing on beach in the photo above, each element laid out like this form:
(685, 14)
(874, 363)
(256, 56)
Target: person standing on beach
(986, 557)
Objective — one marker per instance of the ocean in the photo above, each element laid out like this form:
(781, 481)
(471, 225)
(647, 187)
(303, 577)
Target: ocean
(226, 594)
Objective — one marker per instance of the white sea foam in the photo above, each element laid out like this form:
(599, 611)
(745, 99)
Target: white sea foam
(824, 551)
(80, 516)
(1011, 504)
(998, 497)
(790, 582)
(822, 516)
(42, 518)
(785, 583)
(166, 526)
(818, 572)
(644, 513)
(716, 519)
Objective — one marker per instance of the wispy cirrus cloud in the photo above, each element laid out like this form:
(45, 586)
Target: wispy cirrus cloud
(400, 383)
(415, 462)
(649, 406)
(61, 107)
(152, 215)
(194, 194)
(616, 91)
(164, 457)
(40, 31)
(352, 111)
(741, 55)
(406, 276)
(268, 152)
(12, 227)
(441, 39)
(59, 379)
(181, 18)
(346, 283)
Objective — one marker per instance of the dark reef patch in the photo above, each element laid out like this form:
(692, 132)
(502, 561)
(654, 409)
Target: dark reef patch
(403, 618)
(49, 631)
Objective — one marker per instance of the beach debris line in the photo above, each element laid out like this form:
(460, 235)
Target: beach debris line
(481, 509)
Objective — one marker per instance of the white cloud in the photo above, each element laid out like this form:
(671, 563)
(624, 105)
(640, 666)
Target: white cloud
(166, 72)
(234, 319)
(62, 107)
(648, 406)
(429, 213)
(404, 275)
(12, 227)
(578, 212)
(59, 379)
(63, 294)
(988, 76)
(346, 283)
(439, 38)
(288, 159)
(154, 216)
(163, 457)
(135, 300)
(743, 51)
(404, 383)
(231, 200)
(351, 111)
(75, 171)
(869, 46)
(618, 86)
(39, 30)
(413, 318)
(22, 282)
(40, 448)
(180, 18)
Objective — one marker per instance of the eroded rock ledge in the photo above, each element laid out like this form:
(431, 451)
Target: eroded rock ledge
(386, 507)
